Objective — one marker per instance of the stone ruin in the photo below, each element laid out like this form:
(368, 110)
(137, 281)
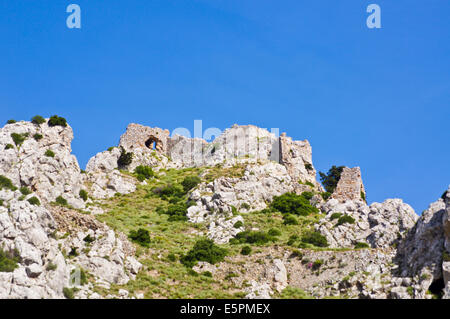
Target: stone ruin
(144, 137)
(248, 142)
(350, 186)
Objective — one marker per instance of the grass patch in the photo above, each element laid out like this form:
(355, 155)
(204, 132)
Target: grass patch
(34, 201)
(294, 293)
(49, 153)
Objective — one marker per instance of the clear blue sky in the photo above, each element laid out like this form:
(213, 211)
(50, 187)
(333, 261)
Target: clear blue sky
(378, 99)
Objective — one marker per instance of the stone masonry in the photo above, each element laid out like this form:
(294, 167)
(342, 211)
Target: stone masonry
(350, 185)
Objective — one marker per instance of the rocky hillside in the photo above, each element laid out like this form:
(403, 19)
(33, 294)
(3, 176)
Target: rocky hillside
(161, 216)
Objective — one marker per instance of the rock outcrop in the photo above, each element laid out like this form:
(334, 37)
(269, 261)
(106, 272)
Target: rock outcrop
(54, 246)
(379, 225)
(425, 251)
(218, 200)
(26, 231)
(40, 158)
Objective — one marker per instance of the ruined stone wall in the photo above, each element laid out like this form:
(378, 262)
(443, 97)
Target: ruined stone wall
(240, 142)
(139, 136)
(350, 185)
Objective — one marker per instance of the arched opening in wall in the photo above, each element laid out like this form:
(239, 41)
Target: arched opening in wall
(151, 143)
(437, 287)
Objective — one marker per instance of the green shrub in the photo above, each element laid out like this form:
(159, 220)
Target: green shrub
(292, 239)
(190, 182)
(83, 194)
(335, 216)
(11, 121)
(289, 219)
(325, 195)
(308, 195)
(309, 184)
(172, 257)
(144, 172)
(245, 206)
(207, 274)
(34, 201)
(204, 250)
(167, 191)
(141, 237)
(308, 166)
(238, 224)
(445, 256)
(25, 191)
(37, 136)
(317, 264)
(51, 267)
(176, 212)
(49, 153)
(266, 211)
(315, 238)
(38, 120)
(297, 254)
(68, 293)
(8, 261)
(330, 180)
(410, 291)
(363, 196)
(254, 237)
(246, 250)
(360, 245)
(345, 219)
(73, 252)
(18, 138)
(5, 183)
(55, 120)
(291, 203)
(9, 146)
(110, 148)
(1, 202)
(125, 158)
(61, 201)
(88, 239)
(274, 232)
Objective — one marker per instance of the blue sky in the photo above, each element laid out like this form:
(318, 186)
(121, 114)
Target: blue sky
(378, 99)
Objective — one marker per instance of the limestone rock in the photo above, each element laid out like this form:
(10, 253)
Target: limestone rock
(248, 193)
(380, 224)
(296, 156)
(258, 290)
(28, 229)
(27, 164)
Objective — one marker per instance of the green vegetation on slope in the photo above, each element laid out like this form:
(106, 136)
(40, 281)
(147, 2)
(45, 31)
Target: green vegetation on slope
(175, 245)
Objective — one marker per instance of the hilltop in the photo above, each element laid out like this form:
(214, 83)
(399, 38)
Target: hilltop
(161, 216)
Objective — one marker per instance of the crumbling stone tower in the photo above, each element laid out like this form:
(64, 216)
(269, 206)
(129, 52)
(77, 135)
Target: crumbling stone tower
(350, 185)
